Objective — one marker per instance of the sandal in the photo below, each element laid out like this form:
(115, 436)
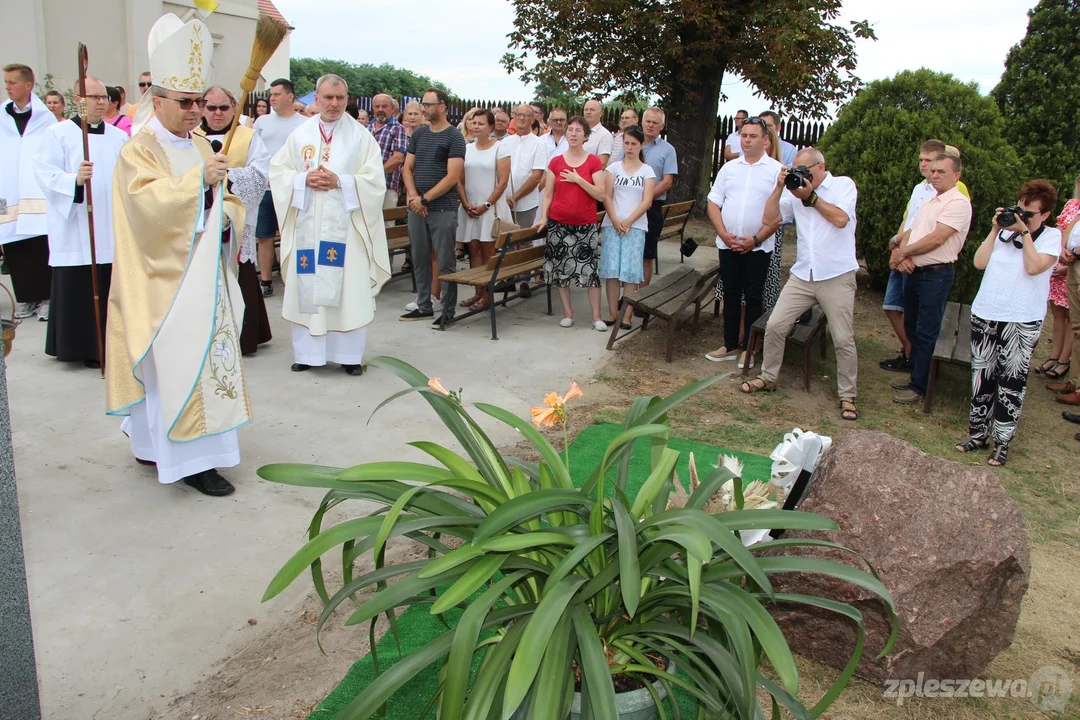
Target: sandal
(971, 444)
(471, 301)
(758, 384)
(1046, 366)
(998, 457)
(848, 410)
(1056, 373)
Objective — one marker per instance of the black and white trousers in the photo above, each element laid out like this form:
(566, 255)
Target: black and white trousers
(1000, 361)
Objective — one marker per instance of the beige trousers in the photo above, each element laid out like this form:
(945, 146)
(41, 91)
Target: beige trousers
(836, 296)
(1073, 284)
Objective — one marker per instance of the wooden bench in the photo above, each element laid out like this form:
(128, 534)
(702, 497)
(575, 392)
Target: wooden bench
(953, 346)
(397, 241)
(802, 334)
(676, 216)
(515, 260)
(673, 298)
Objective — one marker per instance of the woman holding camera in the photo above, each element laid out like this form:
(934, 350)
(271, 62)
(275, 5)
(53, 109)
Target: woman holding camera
(1007, 315)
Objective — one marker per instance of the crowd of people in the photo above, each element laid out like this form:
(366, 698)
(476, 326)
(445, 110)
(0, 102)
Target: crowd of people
(189, 205)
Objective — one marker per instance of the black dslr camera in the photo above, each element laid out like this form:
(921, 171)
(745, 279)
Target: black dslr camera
(798, 177)
(1007, 216)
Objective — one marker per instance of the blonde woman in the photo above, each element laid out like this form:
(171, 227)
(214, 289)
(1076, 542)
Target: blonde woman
(413, 117)
(466, 127)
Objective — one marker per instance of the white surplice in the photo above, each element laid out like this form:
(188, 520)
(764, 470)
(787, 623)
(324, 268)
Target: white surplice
(22, 204)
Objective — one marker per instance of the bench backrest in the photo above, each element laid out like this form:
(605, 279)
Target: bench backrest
(676, 215)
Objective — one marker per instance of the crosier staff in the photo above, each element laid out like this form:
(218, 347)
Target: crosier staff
(84, 59)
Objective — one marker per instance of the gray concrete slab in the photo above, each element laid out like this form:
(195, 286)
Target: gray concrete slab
(136, 588)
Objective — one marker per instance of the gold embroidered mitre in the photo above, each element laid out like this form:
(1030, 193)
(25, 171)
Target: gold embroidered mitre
(180, 54)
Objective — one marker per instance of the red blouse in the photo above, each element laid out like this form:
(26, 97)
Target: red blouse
(570, 204)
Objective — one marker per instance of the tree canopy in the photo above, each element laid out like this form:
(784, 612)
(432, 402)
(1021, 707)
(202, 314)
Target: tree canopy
(876, 139)
(793, 51)
(364, 79)
(1039, 93)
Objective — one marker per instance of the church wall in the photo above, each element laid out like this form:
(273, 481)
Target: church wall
(102, 26)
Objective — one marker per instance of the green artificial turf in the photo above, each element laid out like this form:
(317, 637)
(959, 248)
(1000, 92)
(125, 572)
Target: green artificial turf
(417, 626)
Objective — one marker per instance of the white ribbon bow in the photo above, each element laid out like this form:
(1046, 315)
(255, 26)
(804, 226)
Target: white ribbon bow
(799, 451)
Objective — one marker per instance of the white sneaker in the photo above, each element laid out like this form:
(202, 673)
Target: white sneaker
(436, 304)
(600, 325)
(566, 322)
(411, 306)
(25, 310)
(43, 312)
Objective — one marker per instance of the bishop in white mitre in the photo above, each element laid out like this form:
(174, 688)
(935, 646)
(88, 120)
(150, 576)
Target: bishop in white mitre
(63, 175)
(172, 350)
(328, 186)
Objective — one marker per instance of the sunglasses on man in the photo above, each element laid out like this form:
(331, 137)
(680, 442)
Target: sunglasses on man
(759, 122)
(186, 103)
(215, 108)
(144, 84)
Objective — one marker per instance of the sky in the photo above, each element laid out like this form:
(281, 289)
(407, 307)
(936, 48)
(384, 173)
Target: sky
(460, 42)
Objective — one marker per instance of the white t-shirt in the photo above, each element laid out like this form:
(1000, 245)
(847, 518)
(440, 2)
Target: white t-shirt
(600, 142)
(1073, 241)
(628, 191)
(919, 194)
(1007, 292)
(480, 170)
(740, 191)
(734, 143)
(274, 131)
(527, 153)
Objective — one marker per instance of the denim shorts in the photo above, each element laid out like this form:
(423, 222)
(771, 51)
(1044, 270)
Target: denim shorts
(894, 292)
(266, 224)
(621, 255)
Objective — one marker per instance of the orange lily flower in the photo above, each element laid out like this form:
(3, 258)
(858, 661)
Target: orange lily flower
(436, 385)
(555, 412)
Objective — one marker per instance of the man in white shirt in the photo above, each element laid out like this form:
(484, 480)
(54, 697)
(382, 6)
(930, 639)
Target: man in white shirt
(628, 117)
(787, 150)
(528, 160)
(733, 145)
(273, 129)
(736, 209)
(600, 140)
(823, 274)
(555, 139)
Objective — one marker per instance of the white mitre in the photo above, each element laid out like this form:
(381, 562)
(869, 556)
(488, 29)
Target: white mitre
(180, 56)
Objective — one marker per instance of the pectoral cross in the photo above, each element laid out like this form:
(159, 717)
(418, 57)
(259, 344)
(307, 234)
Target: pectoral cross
(331, 254)
(303, 261)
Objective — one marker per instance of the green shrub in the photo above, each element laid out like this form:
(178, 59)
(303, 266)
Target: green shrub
(876, 140)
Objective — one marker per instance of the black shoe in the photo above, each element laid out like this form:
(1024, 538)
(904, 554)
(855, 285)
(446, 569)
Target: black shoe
(900, 363)
(406, 267)
(210, 482)
(267, 287)
(639, 313)
(525, 290)
(300, 367)
(354, 369)
(92, 364)
(417, 314)
(1071, 417)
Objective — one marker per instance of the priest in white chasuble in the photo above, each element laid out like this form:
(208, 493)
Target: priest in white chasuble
(249, 169)
(173, 364)
(63, 174)
(328, 186)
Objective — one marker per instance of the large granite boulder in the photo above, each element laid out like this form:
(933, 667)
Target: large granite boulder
(949, 544)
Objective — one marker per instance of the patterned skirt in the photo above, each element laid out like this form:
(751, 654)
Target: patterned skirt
(771, 292)
(570, 255)
(1059, 294)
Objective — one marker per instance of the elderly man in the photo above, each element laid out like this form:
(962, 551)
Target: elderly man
(628, 117)
(329, 186)
(927, 254)
(23, 226)
(249, 168)
(733, 145)
(528, 161)
(601, 141)
(274, 129)
(787, 150)
(555, 140)
(502, 125)
(300, 108)
(823, 274)
(172, 358)
(393, 141)
(63, 173)
(745, 241)
(660, 156)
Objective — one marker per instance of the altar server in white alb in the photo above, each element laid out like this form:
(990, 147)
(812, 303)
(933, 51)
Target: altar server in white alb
(172, 351)
(328, 185)
(63, 174)
(23, 122)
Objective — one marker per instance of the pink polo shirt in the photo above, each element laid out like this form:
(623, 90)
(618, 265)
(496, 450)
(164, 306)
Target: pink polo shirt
(949, 208)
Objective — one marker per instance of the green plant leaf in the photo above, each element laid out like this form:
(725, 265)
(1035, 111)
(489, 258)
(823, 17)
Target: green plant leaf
(659, 475)
(492, 675)
(456, 557)
(661, 406)
(545, 448)
(314, 549)
(521, 509)
(469, 583)
(594, 666)
(709, 487)
(390, 519)
(555, 669)
(775, 520)
(459, 663)
(534, 642)
(768, 633)
(629, 572)
(524, 541)
(573, 560)
(394, 595)
(298, 474)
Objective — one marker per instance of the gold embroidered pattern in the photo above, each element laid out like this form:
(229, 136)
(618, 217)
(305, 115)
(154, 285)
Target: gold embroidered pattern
(194, 81)
(224, 354)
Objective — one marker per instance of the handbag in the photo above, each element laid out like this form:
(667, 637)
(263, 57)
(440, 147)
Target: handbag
(500, 225)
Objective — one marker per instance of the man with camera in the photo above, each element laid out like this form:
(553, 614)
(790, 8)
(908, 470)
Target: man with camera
(928, 255)
(822, 206)
(736, 205)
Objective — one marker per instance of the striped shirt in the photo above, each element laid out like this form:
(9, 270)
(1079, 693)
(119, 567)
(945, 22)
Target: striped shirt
(433, 150)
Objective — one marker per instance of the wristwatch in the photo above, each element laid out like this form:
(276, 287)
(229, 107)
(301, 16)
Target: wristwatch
(812, 200)
(894, 242)
(757, 243)
(1025, 231)
(487, 205)
(423, 201)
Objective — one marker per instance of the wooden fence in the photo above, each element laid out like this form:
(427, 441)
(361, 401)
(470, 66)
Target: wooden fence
(798, 133)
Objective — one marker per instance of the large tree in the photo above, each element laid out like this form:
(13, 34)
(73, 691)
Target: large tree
(365, 79)
(1039, 93)
(793, 51)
